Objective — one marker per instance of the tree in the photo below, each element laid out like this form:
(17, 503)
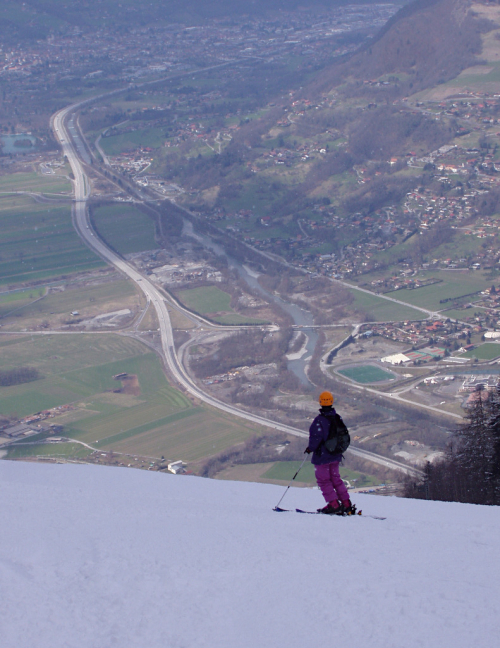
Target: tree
(493, 423)
(470, 471)
(473, 451)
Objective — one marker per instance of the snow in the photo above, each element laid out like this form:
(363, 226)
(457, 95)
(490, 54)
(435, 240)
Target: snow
(97, 557)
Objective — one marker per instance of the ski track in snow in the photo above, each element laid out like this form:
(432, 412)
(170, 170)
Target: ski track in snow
(97, 557)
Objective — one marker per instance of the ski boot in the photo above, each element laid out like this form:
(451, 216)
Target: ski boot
(348, 508)
(331, 509)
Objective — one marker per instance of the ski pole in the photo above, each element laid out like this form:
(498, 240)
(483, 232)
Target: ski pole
(277, 507)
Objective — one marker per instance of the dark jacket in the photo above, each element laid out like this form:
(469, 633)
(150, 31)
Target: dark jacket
(318, 434)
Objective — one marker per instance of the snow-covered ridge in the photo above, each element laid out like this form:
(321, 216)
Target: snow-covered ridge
(97, 557)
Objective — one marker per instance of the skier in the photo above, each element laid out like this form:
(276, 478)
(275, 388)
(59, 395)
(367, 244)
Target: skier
(326, 464)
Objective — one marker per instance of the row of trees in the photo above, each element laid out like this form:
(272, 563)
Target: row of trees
(263, 449)
(244, 348)
(470, 471)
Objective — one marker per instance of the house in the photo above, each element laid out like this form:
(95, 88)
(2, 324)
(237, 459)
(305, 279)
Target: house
(176, 467)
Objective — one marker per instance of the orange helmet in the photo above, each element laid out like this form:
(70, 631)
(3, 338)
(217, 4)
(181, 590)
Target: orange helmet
(325, 399)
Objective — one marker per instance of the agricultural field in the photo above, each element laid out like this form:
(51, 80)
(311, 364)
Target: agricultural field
(383, 310)
(209, 300)
(238, 319)
(452, 285)
(482, 78)
(124, 228)
(12, 305)
(56, 450)
(461, 314)
(147, 137)
(13, 298)
(141, 415)
(366, 374)
(487, 351)
(36, 308)
(57, 357)
(35, 182)
(38, 242)
(285, 470)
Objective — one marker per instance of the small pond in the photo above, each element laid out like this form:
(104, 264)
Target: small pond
(19, 143)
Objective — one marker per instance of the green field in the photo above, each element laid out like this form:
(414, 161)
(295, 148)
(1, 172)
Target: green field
(366, 374)
(383, 310)
(62, 450)
(478, 81)
(209, 300)
(205, 300)
(487, 351)
(453, 284)
(238, 319)
(285, 470)
(15, 308)
(459, 313)
(19, 296)
(68, 366)
(124, 228)
(78, 369)
(148, 137)
(38, 242)
(36, 182)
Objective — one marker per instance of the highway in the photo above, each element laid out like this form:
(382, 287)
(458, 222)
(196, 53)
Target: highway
(63, 123)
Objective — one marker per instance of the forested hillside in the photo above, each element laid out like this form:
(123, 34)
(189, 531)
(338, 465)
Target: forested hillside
(425, 43)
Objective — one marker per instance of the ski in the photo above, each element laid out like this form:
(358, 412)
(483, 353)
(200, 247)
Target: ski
(297, 510)
(374, 517)
(331, 514)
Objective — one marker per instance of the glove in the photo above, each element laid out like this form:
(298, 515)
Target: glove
(307, 450)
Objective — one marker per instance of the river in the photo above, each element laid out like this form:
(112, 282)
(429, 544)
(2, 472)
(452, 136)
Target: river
(300, 317)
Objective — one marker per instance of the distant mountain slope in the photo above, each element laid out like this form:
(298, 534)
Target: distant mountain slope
(425, 43)
(101, 557)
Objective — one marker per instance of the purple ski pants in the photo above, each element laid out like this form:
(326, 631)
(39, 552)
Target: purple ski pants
(330, 482)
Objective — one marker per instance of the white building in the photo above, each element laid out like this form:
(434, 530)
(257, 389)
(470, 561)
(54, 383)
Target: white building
(396, 359)
(176, 467)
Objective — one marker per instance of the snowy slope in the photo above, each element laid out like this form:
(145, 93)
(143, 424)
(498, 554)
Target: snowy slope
(94, 557)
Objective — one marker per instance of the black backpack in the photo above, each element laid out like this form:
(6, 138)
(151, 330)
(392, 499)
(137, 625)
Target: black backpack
(338, 439)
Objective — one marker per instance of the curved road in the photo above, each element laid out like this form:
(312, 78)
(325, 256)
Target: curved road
(83, 226)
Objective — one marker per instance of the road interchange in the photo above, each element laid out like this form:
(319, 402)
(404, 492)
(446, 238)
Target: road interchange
(154, 296)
